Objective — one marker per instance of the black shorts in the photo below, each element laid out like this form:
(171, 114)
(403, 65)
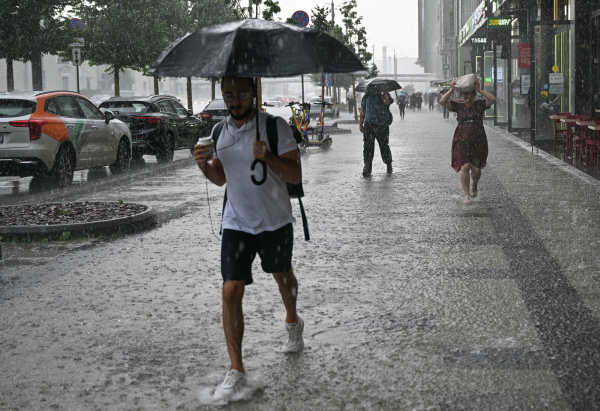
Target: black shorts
(238, 250)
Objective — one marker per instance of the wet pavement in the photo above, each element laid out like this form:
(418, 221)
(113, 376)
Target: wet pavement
(412, 300)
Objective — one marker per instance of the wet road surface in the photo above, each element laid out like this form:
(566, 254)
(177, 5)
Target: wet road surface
(412, 300)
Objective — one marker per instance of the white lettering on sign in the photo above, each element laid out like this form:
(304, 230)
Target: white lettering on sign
(556, 78)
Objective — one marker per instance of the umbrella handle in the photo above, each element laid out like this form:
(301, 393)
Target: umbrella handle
(256, 107)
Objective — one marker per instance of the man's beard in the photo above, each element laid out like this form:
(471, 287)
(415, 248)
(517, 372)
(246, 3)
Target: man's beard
(244, 115)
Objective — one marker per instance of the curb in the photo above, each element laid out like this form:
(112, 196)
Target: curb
(347, 121)
(123, 225)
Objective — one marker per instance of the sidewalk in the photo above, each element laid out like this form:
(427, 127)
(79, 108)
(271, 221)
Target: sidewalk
(412, 300)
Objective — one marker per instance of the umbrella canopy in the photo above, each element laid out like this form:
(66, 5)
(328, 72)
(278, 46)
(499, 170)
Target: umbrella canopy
(255, 48)
(378, 85)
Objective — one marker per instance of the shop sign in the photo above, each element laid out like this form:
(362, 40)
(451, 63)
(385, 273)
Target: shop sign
(525, 83)
(499, 23)
(556, 78)
(476, 20)
(478, 40)
(556, 89)
(524, 56)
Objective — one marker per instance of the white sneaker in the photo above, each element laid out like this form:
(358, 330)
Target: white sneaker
(293, 340)
(234, 380)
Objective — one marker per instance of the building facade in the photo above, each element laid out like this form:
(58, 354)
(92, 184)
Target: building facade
(528, 53)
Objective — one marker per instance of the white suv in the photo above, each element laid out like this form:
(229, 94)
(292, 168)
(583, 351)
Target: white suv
(51, 134)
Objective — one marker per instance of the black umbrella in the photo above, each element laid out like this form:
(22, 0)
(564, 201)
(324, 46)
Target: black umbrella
(255, 48)
(378, 85)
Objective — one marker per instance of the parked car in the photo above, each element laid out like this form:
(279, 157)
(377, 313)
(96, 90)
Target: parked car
(51, 134)
(331, 111)
(214, 112)
(159, 125)
(99, 98)
(290, 99)
(277, 101)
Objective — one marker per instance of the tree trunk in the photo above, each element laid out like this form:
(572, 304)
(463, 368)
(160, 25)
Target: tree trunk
(212, 89)
(10, 77)
(189, 94)
(323, 86)
(117, 86)
(156, 88)
(36, 73)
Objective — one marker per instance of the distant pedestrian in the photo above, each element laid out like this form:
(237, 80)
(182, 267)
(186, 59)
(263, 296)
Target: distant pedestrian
(431, 98)
(350, 100)
(401, 101)
(445, 111)
(257, 217)
(374, 124)
(469, 146)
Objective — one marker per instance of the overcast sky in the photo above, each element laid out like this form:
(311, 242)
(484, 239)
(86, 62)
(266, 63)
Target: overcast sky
(387, 21)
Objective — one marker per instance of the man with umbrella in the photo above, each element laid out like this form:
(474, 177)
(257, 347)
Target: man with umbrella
(257, 217)
(375, 118)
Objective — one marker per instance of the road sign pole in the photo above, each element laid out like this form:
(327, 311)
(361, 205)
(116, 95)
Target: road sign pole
(77, 79)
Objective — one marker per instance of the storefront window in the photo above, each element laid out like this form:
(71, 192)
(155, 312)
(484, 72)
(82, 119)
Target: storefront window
(519, 85)
(488, 84)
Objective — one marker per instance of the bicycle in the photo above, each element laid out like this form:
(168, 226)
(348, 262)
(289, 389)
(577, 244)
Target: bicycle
(301, 121)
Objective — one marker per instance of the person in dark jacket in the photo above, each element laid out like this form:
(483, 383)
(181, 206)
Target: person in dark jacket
(374, 117)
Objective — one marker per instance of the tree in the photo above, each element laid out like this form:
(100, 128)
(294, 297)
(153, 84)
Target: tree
(131, 34)
(29, 28)
(319, 19)
(206, 13)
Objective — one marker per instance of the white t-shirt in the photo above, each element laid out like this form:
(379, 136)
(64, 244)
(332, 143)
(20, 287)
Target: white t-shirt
(256, 201)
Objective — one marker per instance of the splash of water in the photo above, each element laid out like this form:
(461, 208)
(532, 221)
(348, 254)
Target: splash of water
(254, 381)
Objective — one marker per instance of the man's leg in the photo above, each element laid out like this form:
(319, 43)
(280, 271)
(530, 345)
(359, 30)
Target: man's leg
(383, 138)
(288, 287)
(233, 321)
(368, 148)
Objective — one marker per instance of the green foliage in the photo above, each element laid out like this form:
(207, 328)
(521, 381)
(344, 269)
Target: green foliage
(319, 19)
(65, 236)
(373, 72)
(131, 34)
(120, 201)
(204, 13)
(31, 27)
(291, 20)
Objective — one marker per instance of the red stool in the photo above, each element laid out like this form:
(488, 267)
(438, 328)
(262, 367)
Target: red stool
(557, 129)
(581, 136)
(592, 147)
(570, 122)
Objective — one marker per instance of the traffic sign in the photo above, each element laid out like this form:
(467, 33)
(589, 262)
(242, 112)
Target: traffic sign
(301, 17)
(78, 43)
(75, 23)
(327, 80)
(77, 57)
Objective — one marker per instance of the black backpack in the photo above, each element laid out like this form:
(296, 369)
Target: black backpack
(294, 190)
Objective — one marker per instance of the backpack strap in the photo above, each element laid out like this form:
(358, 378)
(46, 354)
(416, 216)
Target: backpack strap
(216, 132)
(273, 139)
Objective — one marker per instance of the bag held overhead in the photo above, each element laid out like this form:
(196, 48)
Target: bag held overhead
(465, 84)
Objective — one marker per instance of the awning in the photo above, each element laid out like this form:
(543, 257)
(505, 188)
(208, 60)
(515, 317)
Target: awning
(440, 83)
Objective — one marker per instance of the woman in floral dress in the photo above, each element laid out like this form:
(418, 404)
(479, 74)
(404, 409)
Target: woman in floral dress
(469, 146)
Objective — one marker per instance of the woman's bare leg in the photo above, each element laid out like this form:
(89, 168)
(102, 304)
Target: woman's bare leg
(465, 177)
(475, 175)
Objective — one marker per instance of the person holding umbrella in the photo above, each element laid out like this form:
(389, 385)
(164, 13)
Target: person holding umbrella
(469, 145)
(257, 216)
(375, 118)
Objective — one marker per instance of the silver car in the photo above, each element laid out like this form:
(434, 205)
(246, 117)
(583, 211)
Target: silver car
(51, 134)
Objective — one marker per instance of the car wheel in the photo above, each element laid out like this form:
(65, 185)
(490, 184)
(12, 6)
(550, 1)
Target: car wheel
(64, 168)
(122, 164)
(166, 152)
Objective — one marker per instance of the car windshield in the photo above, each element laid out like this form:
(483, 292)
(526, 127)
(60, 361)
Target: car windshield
(216, 105)
(126, 107)
(16, 108)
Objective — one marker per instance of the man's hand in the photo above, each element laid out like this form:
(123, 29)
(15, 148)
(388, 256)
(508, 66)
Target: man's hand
(260, 150)
(202, 154)
(361, 128)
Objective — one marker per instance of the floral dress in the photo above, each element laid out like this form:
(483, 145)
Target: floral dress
(470, 141)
